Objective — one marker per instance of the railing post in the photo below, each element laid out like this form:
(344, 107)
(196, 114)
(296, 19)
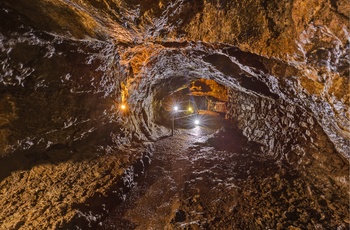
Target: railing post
(173, 125)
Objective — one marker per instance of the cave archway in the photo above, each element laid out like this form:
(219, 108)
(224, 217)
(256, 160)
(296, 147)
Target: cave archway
(266, 111)
(190, 100)
(282, 129)
(67, 67)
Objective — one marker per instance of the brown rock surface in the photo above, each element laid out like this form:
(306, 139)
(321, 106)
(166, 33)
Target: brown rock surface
(67, 66)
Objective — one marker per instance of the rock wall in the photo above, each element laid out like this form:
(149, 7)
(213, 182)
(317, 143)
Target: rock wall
(56, 90)
(67, 66)
(290, 134)
(301, 55)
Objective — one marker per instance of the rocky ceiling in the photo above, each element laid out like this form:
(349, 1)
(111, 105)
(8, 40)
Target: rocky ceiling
(67, 66)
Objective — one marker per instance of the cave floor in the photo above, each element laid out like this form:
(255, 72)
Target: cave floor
(206, 178)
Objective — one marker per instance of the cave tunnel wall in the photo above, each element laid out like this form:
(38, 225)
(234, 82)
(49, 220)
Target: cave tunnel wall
(58, 90)
(310, 71)
(65, 143)
(290, 134)
(66, 66)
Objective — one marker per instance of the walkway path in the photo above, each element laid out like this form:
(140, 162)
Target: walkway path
(199, 179)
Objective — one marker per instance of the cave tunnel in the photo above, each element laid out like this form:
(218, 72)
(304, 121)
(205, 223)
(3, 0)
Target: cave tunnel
(174, 114)
(190, 104)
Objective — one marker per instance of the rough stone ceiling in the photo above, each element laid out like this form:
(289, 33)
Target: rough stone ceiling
(301, 54)
(66, 66)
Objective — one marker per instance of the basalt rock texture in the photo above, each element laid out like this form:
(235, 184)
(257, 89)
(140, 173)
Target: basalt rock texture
(292, 134)
(68, 65)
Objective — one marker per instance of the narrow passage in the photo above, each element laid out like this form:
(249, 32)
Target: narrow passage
(212, 178)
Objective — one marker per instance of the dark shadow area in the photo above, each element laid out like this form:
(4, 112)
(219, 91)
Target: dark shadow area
(256, 86)
(227, 67)
(169, 86)
(175, 44)
(223, 64)
(248, 59)
(11, 20)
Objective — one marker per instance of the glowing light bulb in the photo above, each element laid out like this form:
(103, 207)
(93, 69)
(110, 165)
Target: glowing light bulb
(190, 109)
(176, 108)
(123, 107)
(196, 122)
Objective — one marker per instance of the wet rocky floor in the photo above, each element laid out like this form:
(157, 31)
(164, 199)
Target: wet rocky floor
(211, 178)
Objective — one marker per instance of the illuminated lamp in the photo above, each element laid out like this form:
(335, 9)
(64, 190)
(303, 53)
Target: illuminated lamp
(197, 122)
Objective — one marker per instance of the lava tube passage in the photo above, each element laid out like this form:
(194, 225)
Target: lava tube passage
(174, 114)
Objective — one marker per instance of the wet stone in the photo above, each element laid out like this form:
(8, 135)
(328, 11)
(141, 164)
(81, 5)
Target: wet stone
(221, 182)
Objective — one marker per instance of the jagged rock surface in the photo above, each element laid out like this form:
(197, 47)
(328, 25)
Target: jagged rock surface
(66, 66)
